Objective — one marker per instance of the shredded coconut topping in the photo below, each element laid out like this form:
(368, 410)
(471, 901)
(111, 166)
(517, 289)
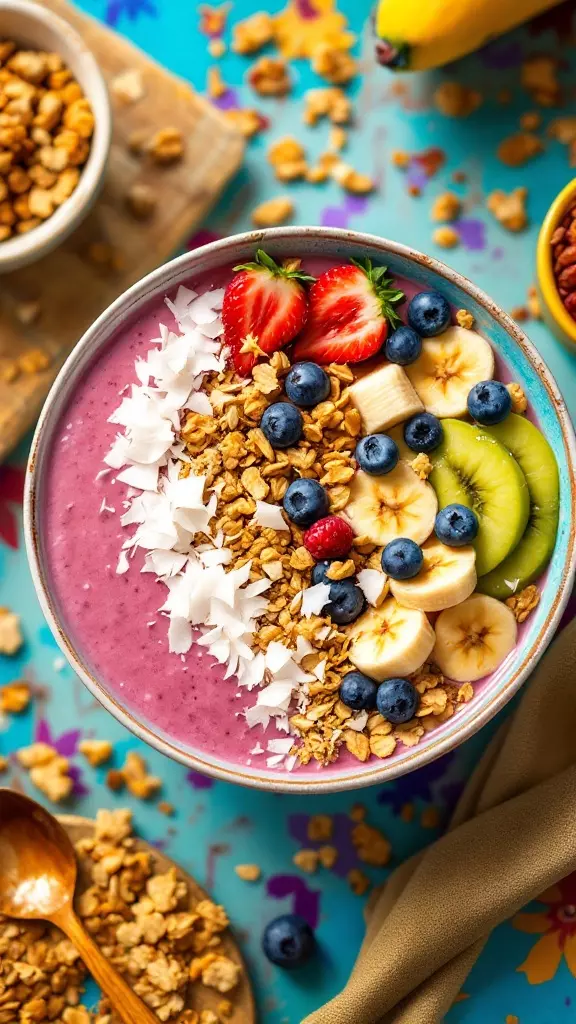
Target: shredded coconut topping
(204, 603)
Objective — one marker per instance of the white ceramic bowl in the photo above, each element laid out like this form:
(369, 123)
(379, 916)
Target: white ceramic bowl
(37, 28)
(526, 367)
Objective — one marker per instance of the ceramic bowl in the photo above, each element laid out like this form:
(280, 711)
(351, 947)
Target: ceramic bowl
(36, 27)
(525, 366)
(554, 311)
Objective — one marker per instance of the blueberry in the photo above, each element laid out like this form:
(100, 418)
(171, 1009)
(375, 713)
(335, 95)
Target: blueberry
(305, 501)
(346, 602)
(358, 691)
(403, 346)
(288, 940)
(282, 425)
(402, 559)
(397, 700)
(307, 384)
(320, 569)
(489, 402)
(456, 525)
(423, 433)
(377, 454)
(429, 313)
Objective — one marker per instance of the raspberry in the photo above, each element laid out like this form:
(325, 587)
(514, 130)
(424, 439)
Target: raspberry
(330, 537)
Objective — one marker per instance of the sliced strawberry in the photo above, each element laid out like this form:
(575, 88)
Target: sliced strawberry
(350, 309)
(265, 307)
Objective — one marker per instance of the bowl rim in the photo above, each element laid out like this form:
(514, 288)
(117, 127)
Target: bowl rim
(18, 251)
(417, 756)
(544, 265)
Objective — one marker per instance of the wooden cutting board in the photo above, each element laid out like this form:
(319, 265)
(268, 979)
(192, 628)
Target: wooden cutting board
(201, 998)
(69, 287)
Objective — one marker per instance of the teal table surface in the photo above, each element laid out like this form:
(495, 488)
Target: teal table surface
(216, 825)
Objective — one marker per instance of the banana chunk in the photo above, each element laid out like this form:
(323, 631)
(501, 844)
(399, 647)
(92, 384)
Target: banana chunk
(473, 638)
(390, 641)
(448, 366)
(385, 397)
(447, 577)
(398, 504)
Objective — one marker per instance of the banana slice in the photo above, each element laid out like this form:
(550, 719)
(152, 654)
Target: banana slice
(448, 366)
(398, 504)
(447, 577)
(473, 638)
(385, 397)
(390, 641)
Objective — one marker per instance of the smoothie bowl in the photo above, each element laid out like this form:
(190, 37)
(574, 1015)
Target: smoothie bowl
(300, 521)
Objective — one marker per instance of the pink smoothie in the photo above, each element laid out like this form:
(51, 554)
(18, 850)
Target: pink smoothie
(112, 620)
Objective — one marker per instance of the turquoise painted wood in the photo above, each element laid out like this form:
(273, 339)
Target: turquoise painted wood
(217, 825)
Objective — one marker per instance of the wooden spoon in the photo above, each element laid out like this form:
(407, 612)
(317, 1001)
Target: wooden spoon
(37, 880)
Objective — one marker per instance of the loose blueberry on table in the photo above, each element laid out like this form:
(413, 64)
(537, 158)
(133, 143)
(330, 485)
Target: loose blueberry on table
(288, 941)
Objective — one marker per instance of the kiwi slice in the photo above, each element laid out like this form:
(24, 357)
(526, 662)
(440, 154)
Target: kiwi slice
(534, 550)
(475, 469)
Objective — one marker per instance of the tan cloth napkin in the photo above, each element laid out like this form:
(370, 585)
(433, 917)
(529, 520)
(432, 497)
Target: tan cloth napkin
(512, 835)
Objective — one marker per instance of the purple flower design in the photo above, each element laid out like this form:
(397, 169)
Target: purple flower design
(66, 745)
(305, 901)
(339, 216)
(472, 234)
(199, 781)
(415, 785)
(132, 9)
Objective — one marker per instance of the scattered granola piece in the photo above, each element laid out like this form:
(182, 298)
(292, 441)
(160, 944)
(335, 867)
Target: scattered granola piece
(524, 602)
(327, 855)
(430, 818)
(166, 808)
(335, 65)
(96, 752)
(222, 974)
(272, 212)
(3, 763)
(358, 881)
(520, 314)
(517, 149)
(15, 697)
(407, 813)
(141, 200)
(115, 780)
(27, 312)
(33, 361)
(269, 76)
(530, 121)
(519, 400)
(166, 146)
(533, 303)
(351, 180)
(509, 208)
(217, 48)
(139, 783)
(248, 122)
(400, 158)
(332, 103)
(338, 139)
(371, 844)
(128, 86)
(215, 84)
(306, 860)
(422, 465)
(320, 827)
(10, 635)
(464, 319)
(248, 872)
(446, 237)
(539, 76)
(287, 157)
(456, 100)
(446, 207)
(251, 35)
(358, 812)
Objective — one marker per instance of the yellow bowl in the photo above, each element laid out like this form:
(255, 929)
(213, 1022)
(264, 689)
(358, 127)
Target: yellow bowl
(554, 311)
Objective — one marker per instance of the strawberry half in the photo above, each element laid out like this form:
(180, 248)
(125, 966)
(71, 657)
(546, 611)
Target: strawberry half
(265, 306)
(351, 307)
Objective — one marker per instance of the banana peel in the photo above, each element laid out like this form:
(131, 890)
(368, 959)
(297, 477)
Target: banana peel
(416, 35)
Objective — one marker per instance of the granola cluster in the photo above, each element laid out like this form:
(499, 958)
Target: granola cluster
(166, 943)
(46, 124)
(239, 462)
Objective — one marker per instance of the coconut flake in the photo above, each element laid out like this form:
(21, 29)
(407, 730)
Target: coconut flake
(314, 599)
(269, 516)
(372, 583)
